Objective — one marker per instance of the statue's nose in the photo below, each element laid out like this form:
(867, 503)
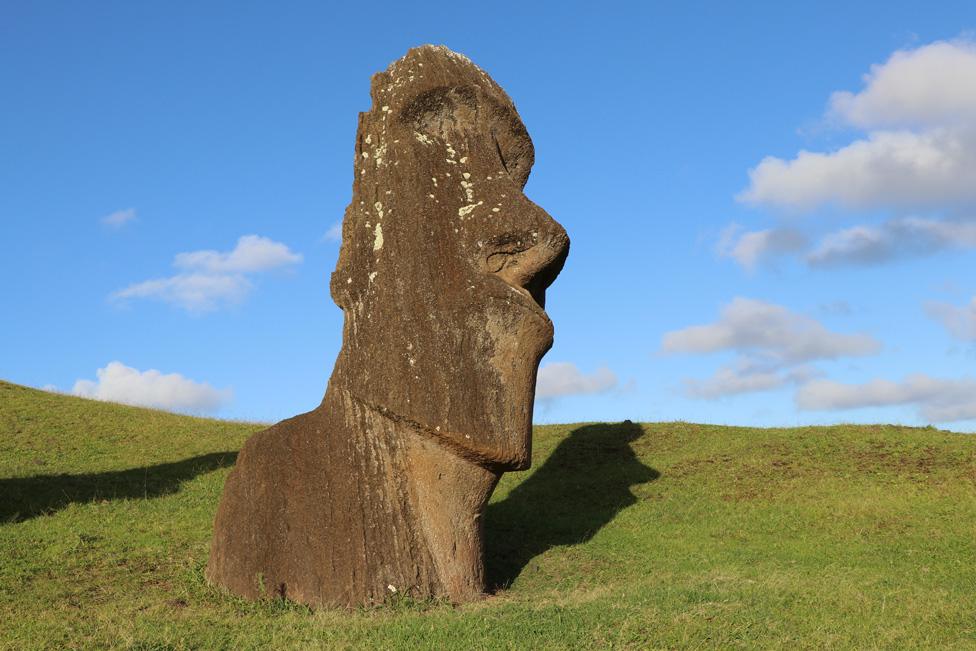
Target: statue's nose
(536, 266)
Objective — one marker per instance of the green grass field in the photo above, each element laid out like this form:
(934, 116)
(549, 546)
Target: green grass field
(665, 535)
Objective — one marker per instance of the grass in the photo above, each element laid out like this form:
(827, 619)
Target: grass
(666, 535)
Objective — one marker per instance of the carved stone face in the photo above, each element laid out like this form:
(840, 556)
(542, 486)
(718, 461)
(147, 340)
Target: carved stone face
(445, 262)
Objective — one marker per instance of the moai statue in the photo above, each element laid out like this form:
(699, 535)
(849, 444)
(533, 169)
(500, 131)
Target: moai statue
(441, 277)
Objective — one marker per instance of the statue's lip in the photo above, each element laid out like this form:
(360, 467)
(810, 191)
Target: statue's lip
(527, 303)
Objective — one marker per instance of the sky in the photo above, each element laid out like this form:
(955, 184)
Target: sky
(771, 205)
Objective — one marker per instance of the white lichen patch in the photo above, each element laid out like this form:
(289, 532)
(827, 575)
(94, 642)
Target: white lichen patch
(464, 210)
(421, 138)
(468, 190)
(378, 207)
(365, 154)
(464, 159)
(466, 175)
(379, 154)
(372, 275)
(434, 179)
(369, 138)
(495, 210)
(378, 238)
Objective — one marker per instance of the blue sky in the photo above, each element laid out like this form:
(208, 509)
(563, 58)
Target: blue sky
(771, 206)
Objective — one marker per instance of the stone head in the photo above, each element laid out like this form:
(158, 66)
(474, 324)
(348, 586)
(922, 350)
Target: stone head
(444, 261)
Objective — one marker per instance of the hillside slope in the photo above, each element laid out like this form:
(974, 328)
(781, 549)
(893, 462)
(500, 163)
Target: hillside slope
(638, 536)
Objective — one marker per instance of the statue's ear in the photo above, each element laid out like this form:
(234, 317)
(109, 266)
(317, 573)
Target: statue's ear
(514, 148)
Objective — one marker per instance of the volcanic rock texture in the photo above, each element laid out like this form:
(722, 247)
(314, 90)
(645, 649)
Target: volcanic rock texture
(441, 277)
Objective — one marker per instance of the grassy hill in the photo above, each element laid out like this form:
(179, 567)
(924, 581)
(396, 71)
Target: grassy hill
(664, 535)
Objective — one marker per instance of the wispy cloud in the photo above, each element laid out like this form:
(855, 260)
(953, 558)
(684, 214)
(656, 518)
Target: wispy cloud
(119, 218)
(937, 400)
(746, 376)
(253, 253)
(334, 234)
(750, 248)
(560, 379)
(213, 279)
(774, 346)
(117, 382)
(895, 238)
(770, 331)
(195, 292)
(959, 321)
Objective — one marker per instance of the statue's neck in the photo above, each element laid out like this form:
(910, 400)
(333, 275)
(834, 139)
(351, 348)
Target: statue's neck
(447, 493)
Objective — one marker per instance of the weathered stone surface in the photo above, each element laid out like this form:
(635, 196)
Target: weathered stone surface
(441, 276)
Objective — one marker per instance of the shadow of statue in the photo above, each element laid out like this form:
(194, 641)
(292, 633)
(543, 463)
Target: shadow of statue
(23, 498)
(583, 484)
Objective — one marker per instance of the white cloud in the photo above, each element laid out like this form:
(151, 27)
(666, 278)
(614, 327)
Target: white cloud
(839, 307)
(334, 234)
(920, 110)
(934, 84)
(751, 248)
(888, 169)
(937, 400)
(729, 382)
(119, 383)
(745, 377)
(959, 321)
(560, 379)
(917, 153)
(770, 331)
(253, 253)
(773, 345)
(895, 238)
(213, 279)
(119, 218)
(192, 292)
